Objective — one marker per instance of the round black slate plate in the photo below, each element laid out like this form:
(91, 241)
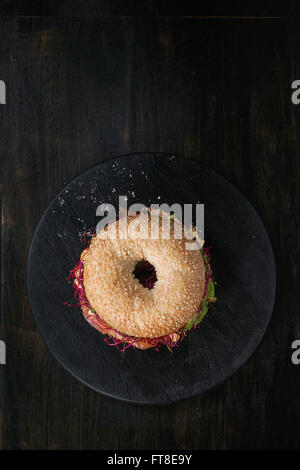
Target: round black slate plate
(242, 262)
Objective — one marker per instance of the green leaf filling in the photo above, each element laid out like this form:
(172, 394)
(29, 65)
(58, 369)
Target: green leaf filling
(210, 295)
(210, 290)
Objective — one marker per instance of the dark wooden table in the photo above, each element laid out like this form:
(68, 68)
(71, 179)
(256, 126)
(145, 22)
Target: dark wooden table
(81, 89)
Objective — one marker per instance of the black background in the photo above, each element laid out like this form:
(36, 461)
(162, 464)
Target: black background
(98, 79)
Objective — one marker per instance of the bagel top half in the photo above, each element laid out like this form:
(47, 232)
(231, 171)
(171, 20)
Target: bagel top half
(119, 298)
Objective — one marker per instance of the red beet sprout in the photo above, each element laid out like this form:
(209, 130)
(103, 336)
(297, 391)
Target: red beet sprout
(145, 273)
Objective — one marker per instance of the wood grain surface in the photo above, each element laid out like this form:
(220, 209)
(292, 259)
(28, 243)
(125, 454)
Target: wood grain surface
(80, 90)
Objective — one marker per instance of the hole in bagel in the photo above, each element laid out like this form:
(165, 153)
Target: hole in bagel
(145, 273)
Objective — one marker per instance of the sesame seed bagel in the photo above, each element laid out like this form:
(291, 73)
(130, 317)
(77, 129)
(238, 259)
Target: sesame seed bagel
(121, 300)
